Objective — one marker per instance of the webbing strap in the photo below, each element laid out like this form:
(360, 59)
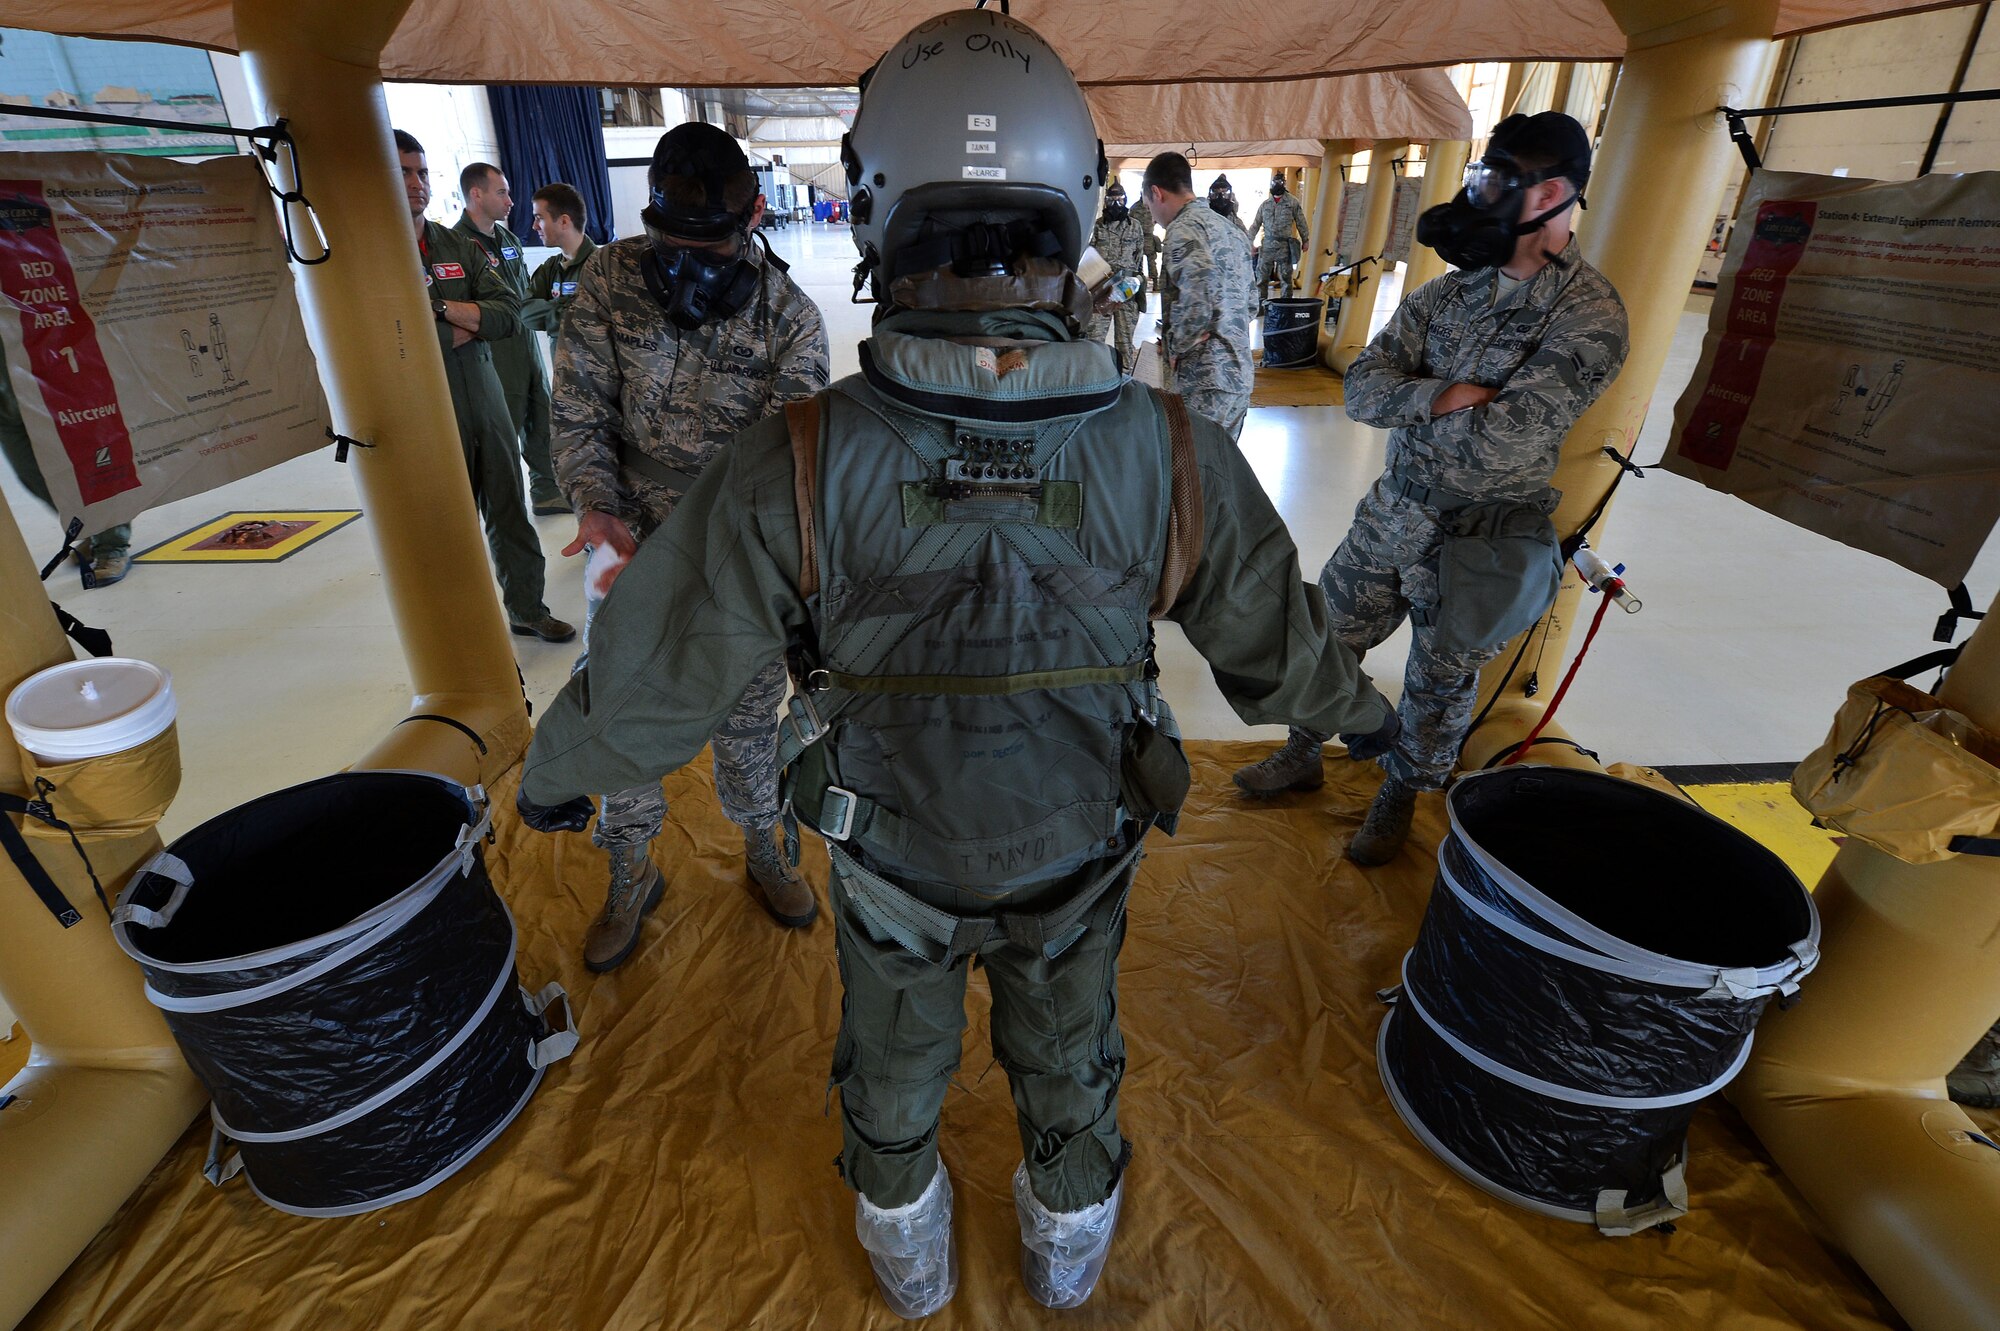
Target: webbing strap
(30, 868)
(802, 422)
(1186, 519)
(658, 472)
(991, 686)
(941, 937)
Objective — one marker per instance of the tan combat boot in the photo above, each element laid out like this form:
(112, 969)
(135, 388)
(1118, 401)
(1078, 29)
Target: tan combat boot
(1976, 1080)
(636, 888)
(786, 895)
(1387, 825)
(1297, 766)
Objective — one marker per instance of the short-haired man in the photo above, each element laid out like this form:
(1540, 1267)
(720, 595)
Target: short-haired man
(1206, 295)
(474, 307)
(674, 341)
(516, 359)
(559, 221)
(1479, 377)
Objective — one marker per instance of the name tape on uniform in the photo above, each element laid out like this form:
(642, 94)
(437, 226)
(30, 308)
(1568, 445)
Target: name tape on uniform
(984, 173)
(982, 146)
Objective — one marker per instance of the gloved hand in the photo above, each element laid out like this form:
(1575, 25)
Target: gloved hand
(569, 816)
(1365, 748)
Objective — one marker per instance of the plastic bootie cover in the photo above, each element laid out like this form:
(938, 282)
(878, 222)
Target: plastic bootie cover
(1063, 1252)
(911, 1248)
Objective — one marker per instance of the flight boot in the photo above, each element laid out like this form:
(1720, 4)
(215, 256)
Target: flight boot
(1297, 766)
(636, 888)
(788, 897)
(911, 1248)
(1063, 1252)
(1976, 1079)
(1387, 825)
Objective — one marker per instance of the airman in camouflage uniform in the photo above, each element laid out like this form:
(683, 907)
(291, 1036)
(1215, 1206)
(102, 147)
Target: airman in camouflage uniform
(1278, 218)
(1207, 291)
(1478, 377)
(1117, 239)
(640, 408)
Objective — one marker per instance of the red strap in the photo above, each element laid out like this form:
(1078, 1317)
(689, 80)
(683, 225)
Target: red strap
(1597, 620)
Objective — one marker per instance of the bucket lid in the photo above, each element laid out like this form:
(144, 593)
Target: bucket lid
(88, 709)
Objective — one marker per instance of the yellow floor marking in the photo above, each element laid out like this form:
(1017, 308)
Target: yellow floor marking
(250, 538)
(1767, 812)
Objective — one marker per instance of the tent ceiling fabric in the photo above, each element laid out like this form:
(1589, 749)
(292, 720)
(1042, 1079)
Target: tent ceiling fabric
(811, 43)
(1419, 104)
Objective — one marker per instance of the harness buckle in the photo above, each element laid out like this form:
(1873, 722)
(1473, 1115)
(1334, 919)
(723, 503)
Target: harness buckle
(805, 720)
(836, 813)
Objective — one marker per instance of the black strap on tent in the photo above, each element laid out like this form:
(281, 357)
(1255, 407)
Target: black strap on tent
(453, 722)
(1748, 147)
(267, 141)
(95, 641)
(23, 855)
(1961, 608)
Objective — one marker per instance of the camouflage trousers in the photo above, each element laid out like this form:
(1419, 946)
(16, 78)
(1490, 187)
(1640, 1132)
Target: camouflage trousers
(1207, 381)
(1274, 264)
(745, 749)
(1123, 319)
(1388, 565)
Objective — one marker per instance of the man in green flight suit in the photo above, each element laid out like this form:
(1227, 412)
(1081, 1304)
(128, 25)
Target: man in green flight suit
(473, 306)
(961, 550)
(517, 358)
(559, 221)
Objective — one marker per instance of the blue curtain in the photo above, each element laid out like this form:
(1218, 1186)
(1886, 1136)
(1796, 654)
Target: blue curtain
(551, 134)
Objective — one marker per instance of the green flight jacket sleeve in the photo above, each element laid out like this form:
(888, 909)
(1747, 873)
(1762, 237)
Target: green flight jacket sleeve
(1386, 385)
(499, 307)
(538, 311)
(1262, 628)
(710, 599)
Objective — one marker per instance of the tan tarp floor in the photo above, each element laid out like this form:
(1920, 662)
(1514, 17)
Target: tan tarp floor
(1312, 386)
(677, 1172)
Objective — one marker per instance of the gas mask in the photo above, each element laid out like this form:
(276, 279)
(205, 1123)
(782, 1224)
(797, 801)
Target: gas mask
(1277, 187)
(1115, 209)
(1222, 198)
(1477, 228)
(693, 285)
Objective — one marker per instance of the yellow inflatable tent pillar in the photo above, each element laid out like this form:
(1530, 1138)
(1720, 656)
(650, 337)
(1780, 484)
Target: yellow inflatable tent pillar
(1444, 176)
(1356, 313)
(315, 63)
(1324, 222)
(1847, 1089)
(105, 1092)
(1654, 186)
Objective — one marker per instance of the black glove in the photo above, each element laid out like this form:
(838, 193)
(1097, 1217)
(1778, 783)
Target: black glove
(569, 816)
(1365, 748)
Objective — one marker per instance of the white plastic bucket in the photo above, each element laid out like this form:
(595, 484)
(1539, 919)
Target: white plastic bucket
(90, 709)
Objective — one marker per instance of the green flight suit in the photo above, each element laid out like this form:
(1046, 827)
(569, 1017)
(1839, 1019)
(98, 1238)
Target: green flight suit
(524, 376)
(712, 596)
(457, 269)
(20, 455)
(552, 287)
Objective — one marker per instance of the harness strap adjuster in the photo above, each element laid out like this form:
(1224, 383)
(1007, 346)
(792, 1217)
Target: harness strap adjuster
(837, 809)
(806, 723)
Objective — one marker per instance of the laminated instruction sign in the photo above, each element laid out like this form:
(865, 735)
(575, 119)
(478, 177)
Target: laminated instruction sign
(1403, 220)
(151, 329)
(1849, 381)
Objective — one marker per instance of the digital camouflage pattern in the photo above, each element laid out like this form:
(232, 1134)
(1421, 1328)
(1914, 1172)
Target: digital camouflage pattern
(457, 269)
(1123, 247)
(518, 359)
(1209, 295)
(1551, 347)
(1281, 223)
(1149, 239)
(626, 377)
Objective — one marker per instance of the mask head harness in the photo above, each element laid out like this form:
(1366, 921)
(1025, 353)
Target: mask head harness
(1479, 227)
(1222, 196)
(692, 169)
(1115, 207)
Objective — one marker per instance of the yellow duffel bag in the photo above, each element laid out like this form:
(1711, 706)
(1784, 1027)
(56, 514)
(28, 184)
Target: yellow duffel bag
(1906, 774)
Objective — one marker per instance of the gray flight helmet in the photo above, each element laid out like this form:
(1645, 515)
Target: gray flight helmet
(971, 118)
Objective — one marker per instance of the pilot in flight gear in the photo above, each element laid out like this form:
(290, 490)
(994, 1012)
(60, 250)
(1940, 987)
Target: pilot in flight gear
(962, 549)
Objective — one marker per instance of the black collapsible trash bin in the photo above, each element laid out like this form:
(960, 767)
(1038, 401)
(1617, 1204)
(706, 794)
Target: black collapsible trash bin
(1291, 333)
(339, 973)
(1593, 961)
